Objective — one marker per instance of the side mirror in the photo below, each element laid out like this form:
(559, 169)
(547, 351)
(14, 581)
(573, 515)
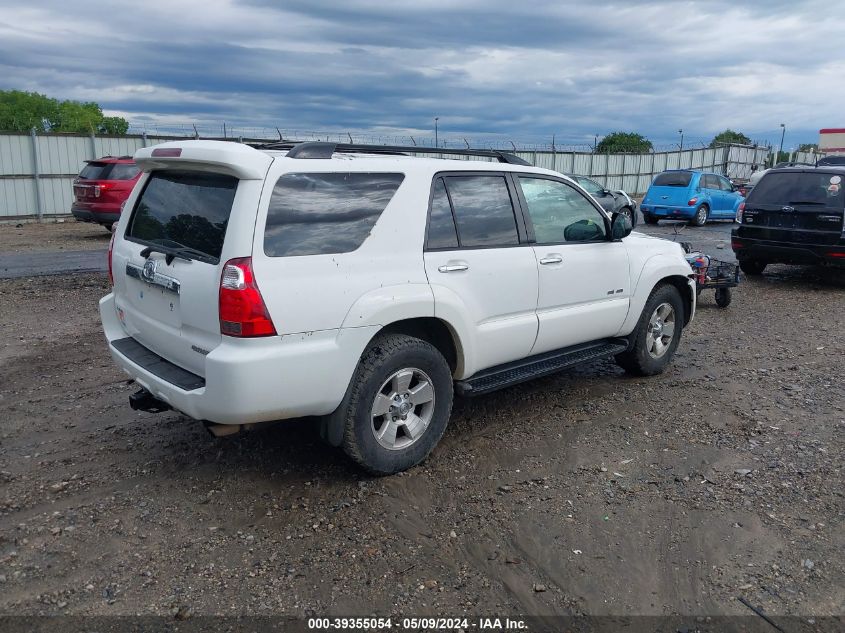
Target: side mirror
(620, 226)
(605, 192)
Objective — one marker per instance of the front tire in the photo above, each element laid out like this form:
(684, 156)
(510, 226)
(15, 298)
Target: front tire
(397, 406)
(701, 215)
(631, 215)
(657, 334)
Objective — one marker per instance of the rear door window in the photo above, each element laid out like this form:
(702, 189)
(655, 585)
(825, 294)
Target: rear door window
(673, 179)
(323, 213)
(184, 209)
(799, 189)
(483, 211)
(441, 223)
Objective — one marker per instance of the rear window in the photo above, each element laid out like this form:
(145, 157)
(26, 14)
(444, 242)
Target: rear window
(92, 171)
(799, 188)
(109, 171)
(123, 171)
(673, 179)
(319, 214)
(178, 209)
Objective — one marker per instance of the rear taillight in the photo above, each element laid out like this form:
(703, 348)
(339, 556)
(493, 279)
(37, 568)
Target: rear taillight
(740, 210)
(242, 309)
(692, 202)
(111, 248)
(103, 186)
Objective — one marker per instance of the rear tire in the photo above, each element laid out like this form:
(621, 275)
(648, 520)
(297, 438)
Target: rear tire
(752, 267)
(701, 216)
(649, 219)
(657, 334)
(397, 405)
(108, 226)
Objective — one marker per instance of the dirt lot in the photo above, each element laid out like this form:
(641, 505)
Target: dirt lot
(588, 492)
(68, 235)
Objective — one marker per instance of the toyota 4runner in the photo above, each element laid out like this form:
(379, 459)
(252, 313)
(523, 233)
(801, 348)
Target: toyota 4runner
(365, 287)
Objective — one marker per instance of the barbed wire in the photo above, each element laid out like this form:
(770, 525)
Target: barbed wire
(445, 140)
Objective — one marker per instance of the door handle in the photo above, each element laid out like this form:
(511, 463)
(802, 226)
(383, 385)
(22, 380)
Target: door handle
(452, 268)
(554, 258)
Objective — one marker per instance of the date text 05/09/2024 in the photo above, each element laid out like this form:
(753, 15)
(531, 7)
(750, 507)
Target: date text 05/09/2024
(417, 624)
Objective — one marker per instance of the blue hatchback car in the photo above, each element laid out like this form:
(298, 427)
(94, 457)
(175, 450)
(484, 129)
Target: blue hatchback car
(695, 196)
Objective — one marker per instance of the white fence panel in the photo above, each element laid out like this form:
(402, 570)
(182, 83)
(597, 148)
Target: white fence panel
(61, 156)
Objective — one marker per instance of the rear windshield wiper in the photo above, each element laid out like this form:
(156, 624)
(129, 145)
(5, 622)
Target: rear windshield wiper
(182, 252)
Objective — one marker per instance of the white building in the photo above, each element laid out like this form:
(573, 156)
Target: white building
(832, 140)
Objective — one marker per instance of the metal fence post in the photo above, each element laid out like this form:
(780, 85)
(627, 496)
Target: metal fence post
(36, 169)
(93, 147)
(144, 138)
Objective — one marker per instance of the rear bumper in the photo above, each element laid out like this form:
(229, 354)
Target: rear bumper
(92, 212)
(780, 252)
(250, 380)
(658, 211)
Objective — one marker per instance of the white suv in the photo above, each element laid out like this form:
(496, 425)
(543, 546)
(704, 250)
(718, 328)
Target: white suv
(364, 287)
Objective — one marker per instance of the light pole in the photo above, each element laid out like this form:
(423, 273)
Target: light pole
(681, 132)
(782, 133)
(436, 119)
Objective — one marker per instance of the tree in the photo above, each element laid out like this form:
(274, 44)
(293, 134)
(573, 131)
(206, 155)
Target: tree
(624, 143)
(808, 147)
(729, 137)
(21, 111)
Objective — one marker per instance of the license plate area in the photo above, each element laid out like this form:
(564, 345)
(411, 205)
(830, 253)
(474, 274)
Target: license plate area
(153, 302)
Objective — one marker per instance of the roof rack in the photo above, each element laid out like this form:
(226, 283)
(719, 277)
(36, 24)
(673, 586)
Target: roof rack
(323, 150)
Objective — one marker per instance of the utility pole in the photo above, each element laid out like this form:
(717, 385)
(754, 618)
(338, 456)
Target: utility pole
(436, 119)
(780, 151)
(681, 132)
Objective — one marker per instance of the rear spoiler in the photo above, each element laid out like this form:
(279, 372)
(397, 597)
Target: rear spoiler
(234, 159)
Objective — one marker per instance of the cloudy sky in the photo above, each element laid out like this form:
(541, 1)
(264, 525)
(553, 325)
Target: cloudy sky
(506, 69)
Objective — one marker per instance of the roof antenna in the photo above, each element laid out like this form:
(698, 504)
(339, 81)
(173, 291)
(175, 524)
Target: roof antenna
(467, 142)
(280, 134)
(196, 134)
(413, 141)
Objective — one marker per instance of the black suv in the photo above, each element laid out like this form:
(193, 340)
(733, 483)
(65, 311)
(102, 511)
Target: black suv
(793, 216)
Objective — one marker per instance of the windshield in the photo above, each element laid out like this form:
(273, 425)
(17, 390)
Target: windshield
(795, 188)
(184, 209)
(673, 179)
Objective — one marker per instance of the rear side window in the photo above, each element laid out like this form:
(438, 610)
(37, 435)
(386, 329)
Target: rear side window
(92, 171)
(123, 171)
(179, 209)
(319, 214)
(483, 211)
(799, 188)
(673, 179)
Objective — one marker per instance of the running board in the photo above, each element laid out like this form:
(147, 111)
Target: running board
(537, 366)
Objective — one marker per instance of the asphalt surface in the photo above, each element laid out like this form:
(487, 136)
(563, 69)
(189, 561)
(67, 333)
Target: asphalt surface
(38, 264)
(713, 239)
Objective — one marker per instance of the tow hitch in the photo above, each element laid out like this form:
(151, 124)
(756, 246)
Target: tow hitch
(143, 400)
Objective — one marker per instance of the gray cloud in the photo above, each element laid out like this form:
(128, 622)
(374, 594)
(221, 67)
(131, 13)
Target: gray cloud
(487, 68)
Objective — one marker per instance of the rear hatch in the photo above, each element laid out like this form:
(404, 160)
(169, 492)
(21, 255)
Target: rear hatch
(104, 182)
(670, 189)
(796, 206)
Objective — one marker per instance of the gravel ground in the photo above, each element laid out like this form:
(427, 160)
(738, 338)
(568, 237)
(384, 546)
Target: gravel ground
(67, 235)
(587, 492)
